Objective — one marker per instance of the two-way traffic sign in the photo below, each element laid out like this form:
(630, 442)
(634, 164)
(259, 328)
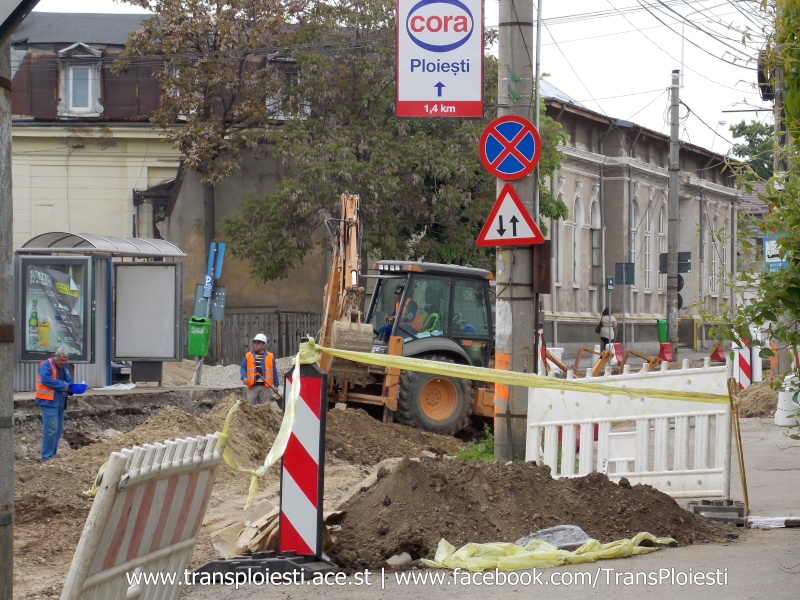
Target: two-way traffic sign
(509, 223)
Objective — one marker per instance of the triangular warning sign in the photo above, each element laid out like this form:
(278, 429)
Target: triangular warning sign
(509, 223)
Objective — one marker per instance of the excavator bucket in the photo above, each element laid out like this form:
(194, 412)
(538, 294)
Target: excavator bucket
(350, 336)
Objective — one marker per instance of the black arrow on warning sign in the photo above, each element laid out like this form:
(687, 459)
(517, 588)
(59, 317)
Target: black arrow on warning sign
(501, 230)
(514, 221)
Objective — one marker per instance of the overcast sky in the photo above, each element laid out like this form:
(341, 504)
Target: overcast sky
(617, 56)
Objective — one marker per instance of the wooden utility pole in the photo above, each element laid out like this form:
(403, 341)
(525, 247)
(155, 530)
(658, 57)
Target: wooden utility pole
(6, 334)
(514, 326)
(673, 232)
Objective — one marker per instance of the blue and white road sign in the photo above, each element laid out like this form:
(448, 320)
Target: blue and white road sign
(510, 147)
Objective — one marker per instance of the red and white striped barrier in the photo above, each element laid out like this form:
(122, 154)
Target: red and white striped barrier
(303, 467)
(145, 519)
(742, 363)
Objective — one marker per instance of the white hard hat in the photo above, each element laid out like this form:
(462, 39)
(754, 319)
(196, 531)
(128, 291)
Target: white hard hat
(260, 337)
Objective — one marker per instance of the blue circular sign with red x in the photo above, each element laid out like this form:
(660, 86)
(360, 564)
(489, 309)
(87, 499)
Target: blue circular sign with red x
(510, 147)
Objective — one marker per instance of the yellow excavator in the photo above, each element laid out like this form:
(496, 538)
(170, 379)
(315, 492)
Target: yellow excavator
(432, 311)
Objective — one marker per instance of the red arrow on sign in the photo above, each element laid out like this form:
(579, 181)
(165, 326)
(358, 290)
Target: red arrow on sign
(509, 223)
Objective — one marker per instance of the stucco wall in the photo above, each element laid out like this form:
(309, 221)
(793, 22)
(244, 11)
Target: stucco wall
(81, 179)
(300, 291)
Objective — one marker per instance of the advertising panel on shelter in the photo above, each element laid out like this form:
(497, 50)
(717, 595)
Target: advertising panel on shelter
(55, 294)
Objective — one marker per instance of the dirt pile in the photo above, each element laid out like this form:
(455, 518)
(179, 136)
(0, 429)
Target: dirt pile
(51, 508)
(758, 400)
(411, 507)
(408, 509)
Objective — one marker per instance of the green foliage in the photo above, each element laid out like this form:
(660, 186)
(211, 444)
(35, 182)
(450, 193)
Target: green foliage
(215, 80)
(482, 450)
(784, 53)
(756, 150)
(424, 193)
(771, 300)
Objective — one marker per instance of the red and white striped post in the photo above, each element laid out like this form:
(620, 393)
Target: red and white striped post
(303, 467)
(742, 358)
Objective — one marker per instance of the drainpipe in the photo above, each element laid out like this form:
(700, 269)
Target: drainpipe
(702, 264)
(553, 225)
(625, 291)
(606, 301)
(734, 246)
(553, 296)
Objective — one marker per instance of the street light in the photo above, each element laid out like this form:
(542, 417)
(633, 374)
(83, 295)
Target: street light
(715, 134)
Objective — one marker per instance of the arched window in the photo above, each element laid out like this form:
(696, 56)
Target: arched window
(713, 274)
(648, 246)
(577, 220)
(596, 233)
(634, 252)
(703, 242)
(723, 275)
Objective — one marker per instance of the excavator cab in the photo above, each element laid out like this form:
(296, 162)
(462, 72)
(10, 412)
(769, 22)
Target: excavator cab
(442, 308)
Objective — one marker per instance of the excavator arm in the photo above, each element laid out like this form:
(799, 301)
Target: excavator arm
(343, 295)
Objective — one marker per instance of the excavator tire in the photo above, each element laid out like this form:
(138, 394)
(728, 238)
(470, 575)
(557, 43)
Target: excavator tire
(432, 402)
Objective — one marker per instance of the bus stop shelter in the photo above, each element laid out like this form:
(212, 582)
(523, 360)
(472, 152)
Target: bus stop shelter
(104, 298)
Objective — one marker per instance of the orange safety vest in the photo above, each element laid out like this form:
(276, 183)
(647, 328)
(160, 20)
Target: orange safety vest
(43, 392)
(251, 369)
(414, 323)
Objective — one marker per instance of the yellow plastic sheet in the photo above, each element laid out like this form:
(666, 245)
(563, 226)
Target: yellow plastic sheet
(536, 554)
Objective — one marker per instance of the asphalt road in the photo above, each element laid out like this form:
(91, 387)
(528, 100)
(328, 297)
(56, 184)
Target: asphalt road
(762, 563)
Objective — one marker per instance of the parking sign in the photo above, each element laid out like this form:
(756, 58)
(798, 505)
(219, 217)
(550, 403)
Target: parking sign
(439, 58)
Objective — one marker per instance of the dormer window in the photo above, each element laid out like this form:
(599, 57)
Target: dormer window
(80, 81)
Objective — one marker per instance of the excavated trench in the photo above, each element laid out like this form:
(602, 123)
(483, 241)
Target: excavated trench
(96, 416)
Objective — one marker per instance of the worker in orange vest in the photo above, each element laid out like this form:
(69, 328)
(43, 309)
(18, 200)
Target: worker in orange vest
(259, 372)
(52, 388)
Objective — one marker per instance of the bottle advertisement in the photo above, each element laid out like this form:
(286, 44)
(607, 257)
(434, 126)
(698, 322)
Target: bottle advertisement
(55, 301)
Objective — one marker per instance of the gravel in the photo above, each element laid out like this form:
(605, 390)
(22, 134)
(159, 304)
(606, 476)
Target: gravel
(228, 376)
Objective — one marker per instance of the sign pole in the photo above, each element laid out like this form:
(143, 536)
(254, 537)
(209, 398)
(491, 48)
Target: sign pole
(6, 335)
(208, 293)
(514, 264)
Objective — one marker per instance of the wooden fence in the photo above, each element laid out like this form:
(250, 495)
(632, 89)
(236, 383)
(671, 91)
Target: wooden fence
(231, 337)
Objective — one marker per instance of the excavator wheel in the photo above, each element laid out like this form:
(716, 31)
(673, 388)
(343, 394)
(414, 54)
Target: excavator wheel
(433, 402)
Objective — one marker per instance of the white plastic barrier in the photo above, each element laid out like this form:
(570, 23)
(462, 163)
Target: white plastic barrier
(144, 520)
(679, 447)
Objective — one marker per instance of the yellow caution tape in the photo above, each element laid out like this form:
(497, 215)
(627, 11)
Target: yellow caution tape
(536, 554)
(92, 491)
(508, 377)
(304, 356)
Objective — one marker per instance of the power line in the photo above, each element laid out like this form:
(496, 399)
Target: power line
(576, 73)
(698, 46)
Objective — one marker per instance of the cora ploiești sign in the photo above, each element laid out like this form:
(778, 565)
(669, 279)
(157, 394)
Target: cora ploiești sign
(439, 58)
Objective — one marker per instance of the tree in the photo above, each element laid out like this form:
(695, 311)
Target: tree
(775, 303)
(756, 150)
(424, 193)
(212, 60)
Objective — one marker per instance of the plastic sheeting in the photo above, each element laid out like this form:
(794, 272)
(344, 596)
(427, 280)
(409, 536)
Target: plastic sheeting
(537, 554)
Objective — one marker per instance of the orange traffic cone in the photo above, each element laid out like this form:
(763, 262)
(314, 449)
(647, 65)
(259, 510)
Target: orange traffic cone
(717, 354)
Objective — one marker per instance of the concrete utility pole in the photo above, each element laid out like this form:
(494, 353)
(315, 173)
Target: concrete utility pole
(6, 334)
(673, 233)
(514, 327)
